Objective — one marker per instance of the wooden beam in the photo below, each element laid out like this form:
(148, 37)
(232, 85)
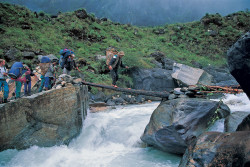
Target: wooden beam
(163, 94)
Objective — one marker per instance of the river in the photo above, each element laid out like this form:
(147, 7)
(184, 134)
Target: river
(109, 139)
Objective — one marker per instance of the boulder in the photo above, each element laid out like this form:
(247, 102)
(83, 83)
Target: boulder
(29, 55)
(234, 120)
(218, 149)
(152, 79)
(11, 54)
(81, 14)
(163, 60)
(187, 75)
(175, 121)
(238, 61)
(44, 119)
(245, 124)
(221, 76)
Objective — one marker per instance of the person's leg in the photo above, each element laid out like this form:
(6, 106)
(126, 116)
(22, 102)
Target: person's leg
(25, 89)
(29, 88)
(47, 83)
(114, 77)
(42, 84)
(18, 89)
(6, 91)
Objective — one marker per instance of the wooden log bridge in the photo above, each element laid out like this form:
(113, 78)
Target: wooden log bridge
(163, 94)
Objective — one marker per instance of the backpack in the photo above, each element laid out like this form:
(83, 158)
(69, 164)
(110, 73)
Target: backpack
(44, 65)
(110, 52)
(16, 70)
(64, 56)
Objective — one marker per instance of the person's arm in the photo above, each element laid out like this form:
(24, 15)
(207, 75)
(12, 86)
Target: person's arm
(123, 66)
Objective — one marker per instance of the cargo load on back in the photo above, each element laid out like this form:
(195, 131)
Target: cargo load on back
(110, 52)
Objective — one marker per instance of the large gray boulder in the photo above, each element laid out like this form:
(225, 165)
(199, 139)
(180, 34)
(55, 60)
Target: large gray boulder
(238, 61)
(186, 75)
(45, 119)
(152, 79)
(218, 149)
(175, 121)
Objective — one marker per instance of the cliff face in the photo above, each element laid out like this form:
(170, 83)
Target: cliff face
(45, 119)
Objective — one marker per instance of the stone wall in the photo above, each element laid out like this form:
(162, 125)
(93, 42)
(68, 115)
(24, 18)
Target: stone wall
(44, 119)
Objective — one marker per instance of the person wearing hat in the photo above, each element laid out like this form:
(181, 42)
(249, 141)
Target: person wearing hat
(70, 64)
(114, 65)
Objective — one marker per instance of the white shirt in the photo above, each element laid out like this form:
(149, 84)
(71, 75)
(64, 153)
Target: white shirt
(2, 70)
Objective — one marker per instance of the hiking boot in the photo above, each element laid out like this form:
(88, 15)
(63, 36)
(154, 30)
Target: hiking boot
(115, 86)
(5, 101)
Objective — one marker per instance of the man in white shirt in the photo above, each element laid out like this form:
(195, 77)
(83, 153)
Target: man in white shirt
(3, 83)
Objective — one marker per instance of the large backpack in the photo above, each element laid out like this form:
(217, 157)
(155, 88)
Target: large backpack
(16, 70)
(44, 65)
(110, 52)
(64, 56)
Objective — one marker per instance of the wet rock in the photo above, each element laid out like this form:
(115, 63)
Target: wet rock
(238, 61)
(218, 149)
(175, 121)
(45, 119)
(234, 120)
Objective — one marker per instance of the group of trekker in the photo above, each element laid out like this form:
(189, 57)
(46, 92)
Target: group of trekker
(21, 73)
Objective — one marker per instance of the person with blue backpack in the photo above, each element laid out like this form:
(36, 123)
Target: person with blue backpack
(67, 61)
(18, 73)
(3, 83)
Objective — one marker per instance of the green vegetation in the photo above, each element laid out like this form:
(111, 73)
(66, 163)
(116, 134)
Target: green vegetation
(204, 42)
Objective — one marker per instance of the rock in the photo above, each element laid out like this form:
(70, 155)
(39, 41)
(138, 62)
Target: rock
(29, 55)
(166, 63)
(218, 149)
(11, 54)
(45, 119)
(99, 96)
(173, 122)
(63, 83)
(100, 57)
(58, 86)
(52, 57)
(221, 76)
(110, 102)
(152, 79)
(187, 75)
(238, 61)
(172, 96)
(66, 78)
(77, 81)
(234, 120)
(81, 14)
(245, 124)
(177, 91)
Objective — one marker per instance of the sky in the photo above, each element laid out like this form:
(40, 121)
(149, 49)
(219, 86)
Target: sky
(140, 12)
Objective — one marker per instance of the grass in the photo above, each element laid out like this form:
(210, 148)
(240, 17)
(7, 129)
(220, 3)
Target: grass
(185, 43)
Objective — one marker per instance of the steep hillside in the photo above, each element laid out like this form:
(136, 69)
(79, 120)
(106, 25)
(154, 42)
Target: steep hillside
(203, 42)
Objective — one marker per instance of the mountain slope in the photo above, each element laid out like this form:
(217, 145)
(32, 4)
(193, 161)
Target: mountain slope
(203, 42)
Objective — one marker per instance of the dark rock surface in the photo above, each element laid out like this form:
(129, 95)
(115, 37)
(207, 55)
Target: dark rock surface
(239, 62)
(152, 79)
(218, 149)
(233, 121)
(175, 121)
